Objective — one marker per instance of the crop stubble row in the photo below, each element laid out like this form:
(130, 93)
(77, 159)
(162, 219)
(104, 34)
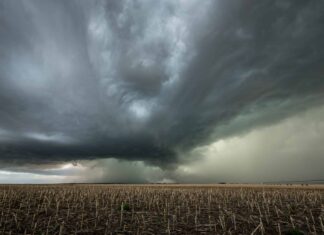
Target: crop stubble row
(160, 209)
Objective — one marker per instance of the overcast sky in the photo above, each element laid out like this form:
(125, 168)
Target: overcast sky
(161, 91)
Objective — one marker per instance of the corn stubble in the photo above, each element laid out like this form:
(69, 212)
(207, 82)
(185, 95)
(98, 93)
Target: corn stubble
(160, 209)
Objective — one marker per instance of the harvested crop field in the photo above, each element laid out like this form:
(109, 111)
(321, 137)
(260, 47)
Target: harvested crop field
(161, 209)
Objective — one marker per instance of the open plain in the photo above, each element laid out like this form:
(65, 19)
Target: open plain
(161, 209)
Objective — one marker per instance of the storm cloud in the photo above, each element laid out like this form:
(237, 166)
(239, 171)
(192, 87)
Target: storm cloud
(151, 80)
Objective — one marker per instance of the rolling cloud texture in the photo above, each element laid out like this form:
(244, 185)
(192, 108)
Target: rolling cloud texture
(147, 80)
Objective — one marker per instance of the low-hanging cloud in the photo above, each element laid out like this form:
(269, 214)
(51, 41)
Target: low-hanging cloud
(146, 80)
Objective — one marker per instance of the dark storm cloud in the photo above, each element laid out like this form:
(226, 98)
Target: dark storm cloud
(252, 56)
(144, 80)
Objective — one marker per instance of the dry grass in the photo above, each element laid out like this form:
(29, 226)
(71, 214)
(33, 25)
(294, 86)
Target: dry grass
(160, 209)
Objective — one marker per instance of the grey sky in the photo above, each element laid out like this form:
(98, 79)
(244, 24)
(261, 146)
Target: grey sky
(150, 82)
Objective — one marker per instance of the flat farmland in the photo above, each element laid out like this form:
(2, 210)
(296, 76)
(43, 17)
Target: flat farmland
(161, 209)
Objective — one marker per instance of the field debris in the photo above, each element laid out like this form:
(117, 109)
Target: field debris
(160, 209)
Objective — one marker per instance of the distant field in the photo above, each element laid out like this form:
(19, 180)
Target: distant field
(161, 209)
